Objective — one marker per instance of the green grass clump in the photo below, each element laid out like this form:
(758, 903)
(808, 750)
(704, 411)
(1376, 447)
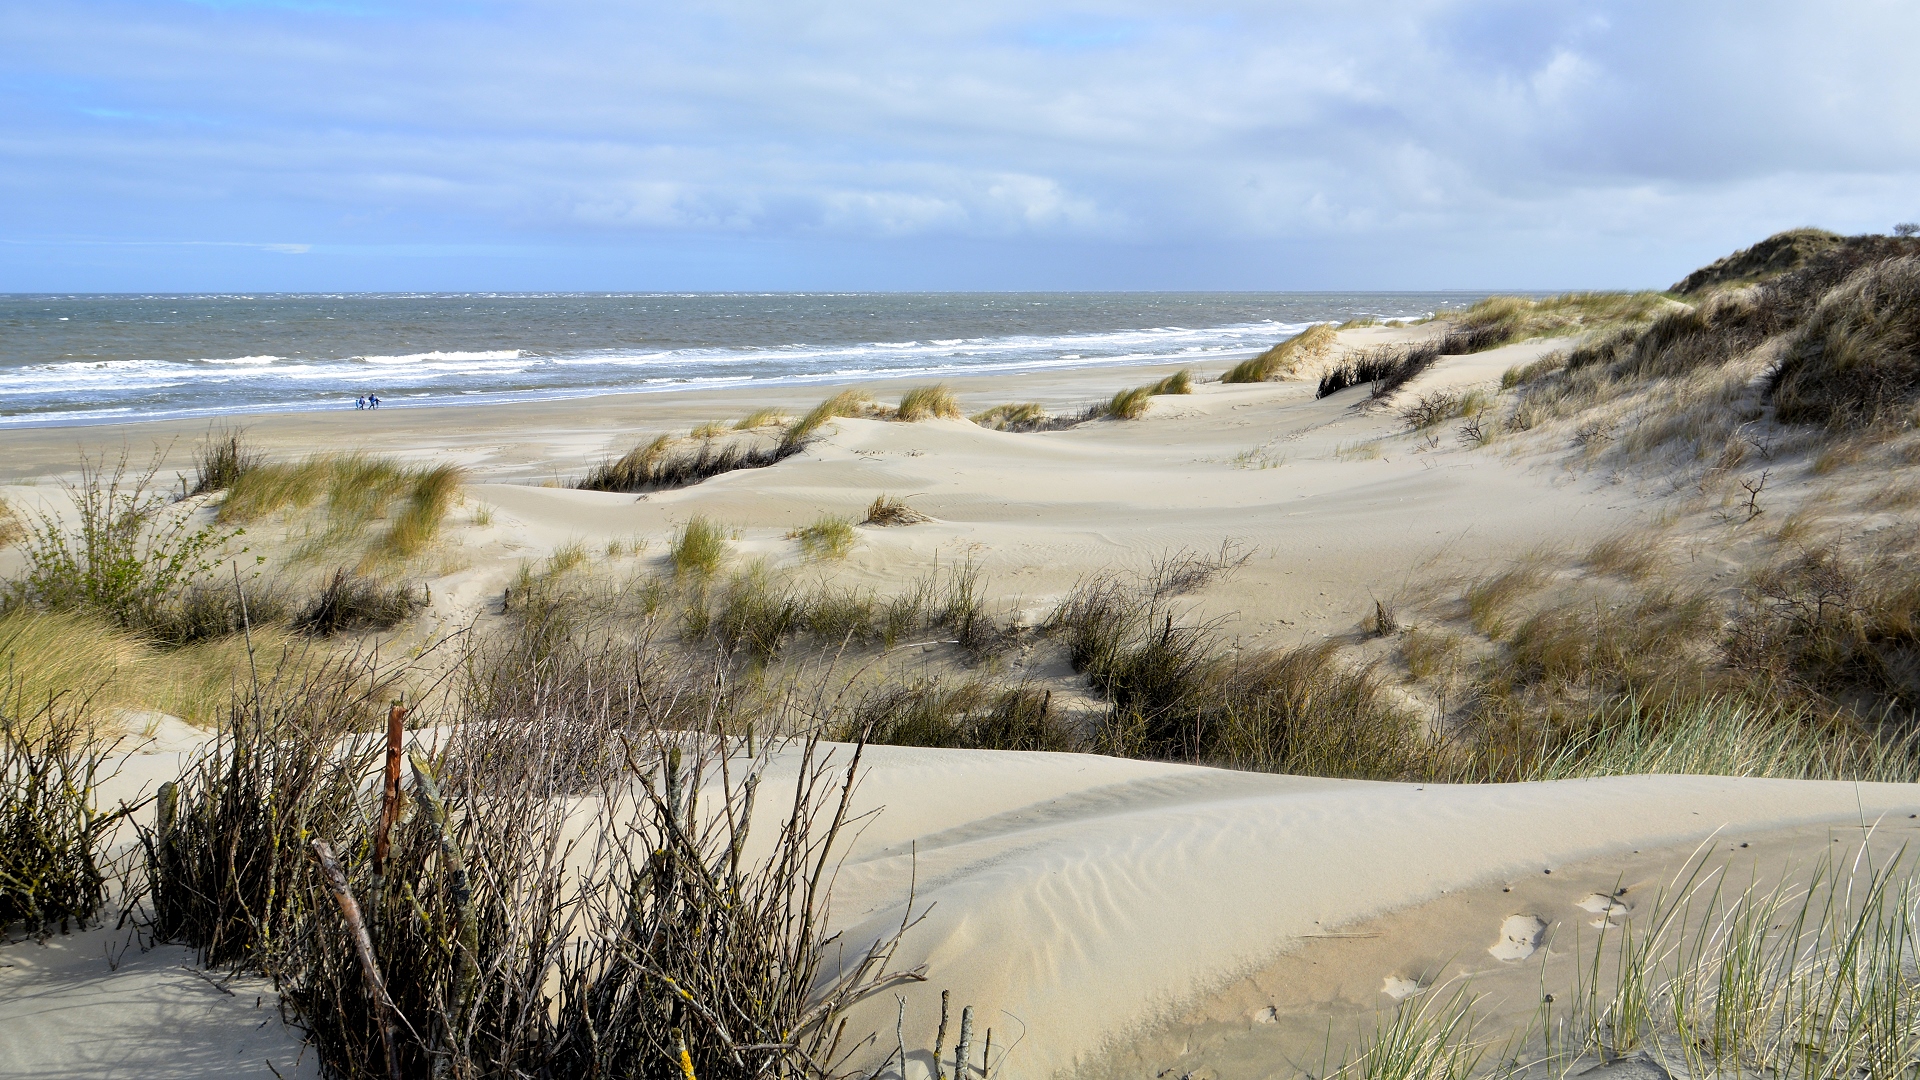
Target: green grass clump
(359, 490)
(1015, 416)
(844, 403)
(828, 537)
(1129, 404)
(699, 550)
(1283, 359)
(760, 418)
(927, 403)
(1180, 382)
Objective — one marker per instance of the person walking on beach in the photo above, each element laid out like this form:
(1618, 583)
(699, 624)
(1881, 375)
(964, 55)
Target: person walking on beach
(360, 402)
(373, 401)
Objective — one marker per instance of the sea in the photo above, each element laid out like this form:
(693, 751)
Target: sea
(77, 359)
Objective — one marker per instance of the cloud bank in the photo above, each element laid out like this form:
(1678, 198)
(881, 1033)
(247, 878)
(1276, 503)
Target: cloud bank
(156, 144)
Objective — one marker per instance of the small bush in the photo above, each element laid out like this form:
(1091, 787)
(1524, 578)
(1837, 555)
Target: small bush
(827, 538)
(222, 460)
(1434, 408)
(1129, 404)
(1180, 382)
(130, 557)
(1283, 359)
(351, 603)
(927, 403)
(885, 510)
(1020, 416)
(699, 550)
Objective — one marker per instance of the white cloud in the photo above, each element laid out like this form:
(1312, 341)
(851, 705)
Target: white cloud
(1222, 122)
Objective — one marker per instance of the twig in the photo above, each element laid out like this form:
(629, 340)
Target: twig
(376, 988)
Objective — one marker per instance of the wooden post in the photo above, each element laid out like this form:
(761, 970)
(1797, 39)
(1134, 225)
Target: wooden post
(389, 796)
(376, 987)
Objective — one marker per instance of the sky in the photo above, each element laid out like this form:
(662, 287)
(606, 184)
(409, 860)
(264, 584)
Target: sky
(257, 145)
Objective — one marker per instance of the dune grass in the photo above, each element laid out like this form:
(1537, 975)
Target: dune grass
(759, 418)
(699, 550)
(1129, 404)
(1517, 318)
(1180, 382)
(359, 490)
(1856, 360)
(12, 529)
(1282, 360)
(886, 511)
(846, 403)
(928, 403)
(1016, 416)
(221, 460)
(827, 537)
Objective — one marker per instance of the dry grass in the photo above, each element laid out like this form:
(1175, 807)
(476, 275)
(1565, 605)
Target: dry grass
(886, 510)
(712, 429)
(1017, 416)
(1490, 599)
(1631, 555)
(1516, 318)
(1856, 360)
(928, 403)
(222, 460)
(1282, 360)
(12, 529)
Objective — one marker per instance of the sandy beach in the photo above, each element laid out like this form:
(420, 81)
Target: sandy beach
(1106, 917)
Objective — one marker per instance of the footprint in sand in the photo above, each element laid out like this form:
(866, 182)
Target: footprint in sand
(1607, 907)
(1519, 937)
(1400, 988)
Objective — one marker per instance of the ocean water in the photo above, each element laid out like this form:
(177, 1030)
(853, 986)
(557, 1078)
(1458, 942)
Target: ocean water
(88, 359)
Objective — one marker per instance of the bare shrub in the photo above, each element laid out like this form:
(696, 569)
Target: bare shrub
(350, 602)
(53, 833)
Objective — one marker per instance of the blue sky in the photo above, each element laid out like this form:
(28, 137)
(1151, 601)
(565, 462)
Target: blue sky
(613, 144)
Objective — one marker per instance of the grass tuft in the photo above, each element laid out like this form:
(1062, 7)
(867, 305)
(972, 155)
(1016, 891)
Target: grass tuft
(699, 550)
(53, 834)
(1129, 404)
(828, 537)
(885, 510)
(350, 603)
(1019, 416)
(222, 460)
(1180, 382)
(927, 403)
(1280, 361)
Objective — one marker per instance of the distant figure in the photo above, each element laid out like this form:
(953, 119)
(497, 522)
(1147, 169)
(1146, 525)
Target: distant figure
(373, 401)
(360, 402)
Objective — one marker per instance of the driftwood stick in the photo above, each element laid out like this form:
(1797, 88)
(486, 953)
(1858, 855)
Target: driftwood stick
(963, 1050)
(940, 1040)
(376, 987)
